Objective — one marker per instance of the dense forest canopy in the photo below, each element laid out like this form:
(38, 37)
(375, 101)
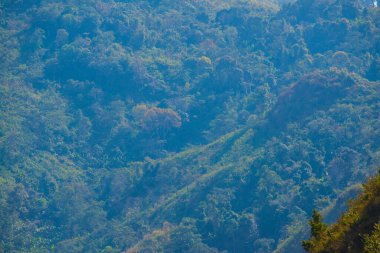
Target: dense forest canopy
(183, 126)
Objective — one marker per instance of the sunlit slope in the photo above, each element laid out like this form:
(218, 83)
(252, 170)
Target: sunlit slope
(358, 229)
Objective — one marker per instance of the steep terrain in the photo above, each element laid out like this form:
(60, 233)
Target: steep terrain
(239, 190)
(358, 230)
(183, 126)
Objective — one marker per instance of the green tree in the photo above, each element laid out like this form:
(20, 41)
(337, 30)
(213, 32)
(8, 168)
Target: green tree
(372, 242)
(317, 227)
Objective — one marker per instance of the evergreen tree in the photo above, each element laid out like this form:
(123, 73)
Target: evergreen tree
(317, 227)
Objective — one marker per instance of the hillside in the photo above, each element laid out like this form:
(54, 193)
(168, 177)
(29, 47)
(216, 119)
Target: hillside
(247, 185)
(183, 126)
(358, 230)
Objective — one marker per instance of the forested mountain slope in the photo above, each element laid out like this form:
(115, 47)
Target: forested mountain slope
(357, 230)
(182, 126)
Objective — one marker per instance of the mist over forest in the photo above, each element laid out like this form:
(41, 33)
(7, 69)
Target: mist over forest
(198, 126)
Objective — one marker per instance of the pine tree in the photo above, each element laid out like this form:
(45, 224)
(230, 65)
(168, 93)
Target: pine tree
(317, 227)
